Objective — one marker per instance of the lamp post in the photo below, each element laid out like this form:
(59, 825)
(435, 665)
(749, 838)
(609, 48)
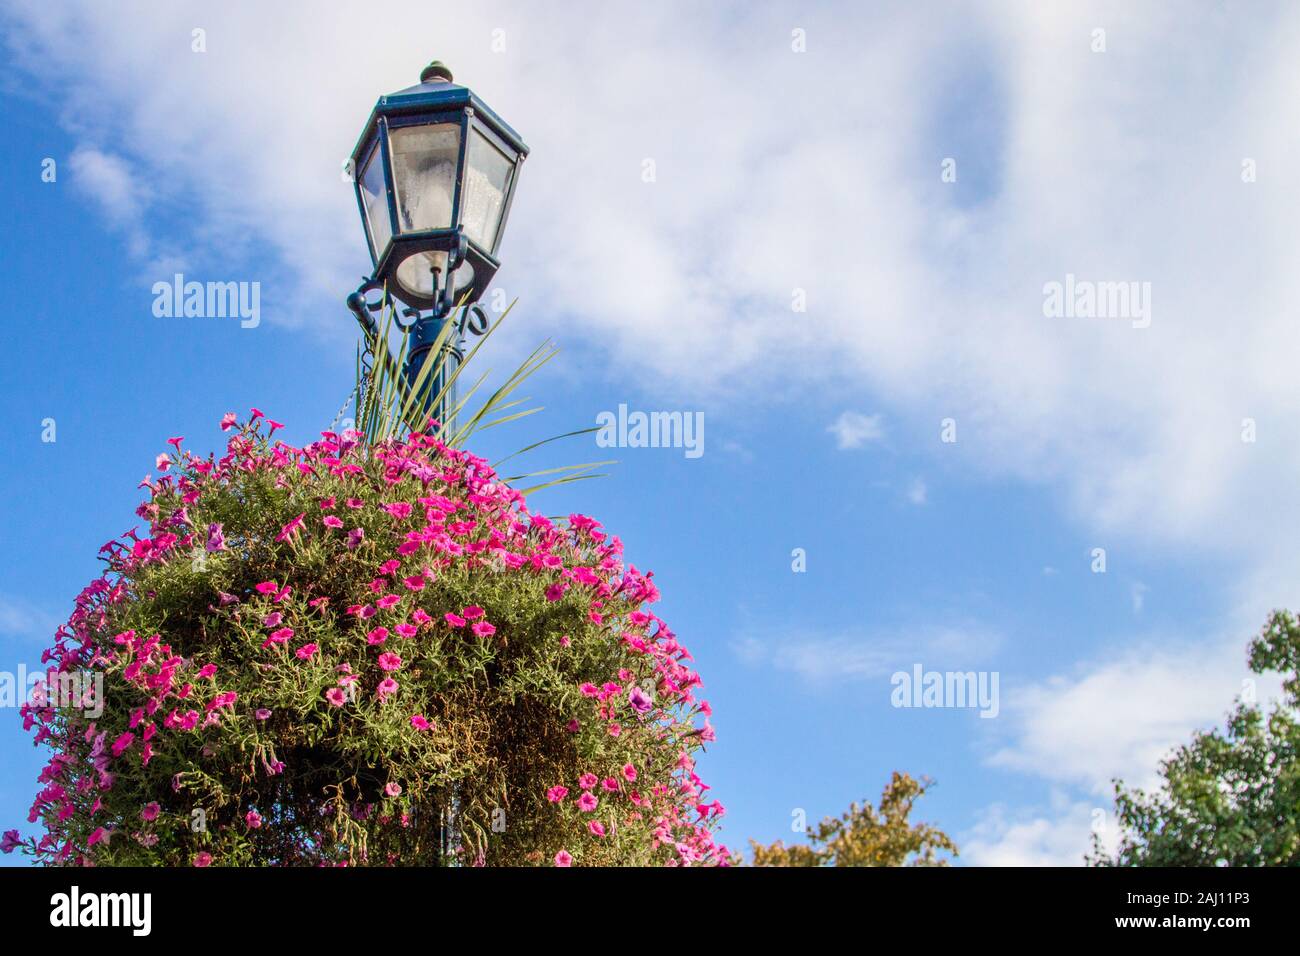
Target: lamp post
(434, 171)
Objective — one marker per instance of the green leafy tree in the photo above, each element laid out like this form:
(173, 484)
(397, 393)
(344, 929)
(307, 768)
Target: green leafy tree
(867, 835)
(1231, 797)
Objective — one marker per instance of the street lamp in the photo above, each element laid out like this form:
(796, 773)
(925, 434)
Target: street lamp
(434, 171)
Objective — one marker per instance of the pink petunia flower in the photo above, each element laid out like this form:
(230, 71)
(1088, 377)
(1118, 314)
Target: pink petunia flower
(455, 620)
(483, 629)
(253, 819)
(393, 788)
(587, 781)
(472, 612)
(336, 696)
(150, 811)
(629, 773)
(557, 793)
(587, 802)
(597, 828)
(203, 858)
(291, 528)
(388, 661)
(228, 421)
(419, 722)
(377, 635)
(305, 652)
(387, 687)
(563, 858)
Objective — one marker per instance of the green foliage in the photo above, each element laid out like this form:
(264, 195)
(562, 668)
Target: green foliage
(867, 836)
(368, 655)
(1230, 797)
(389, 406)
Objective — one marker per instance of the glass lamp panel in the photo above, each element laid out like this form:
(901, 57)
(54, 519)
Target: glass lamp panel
(424, 174)
(375, 199)
(487, 181)
(415, 274)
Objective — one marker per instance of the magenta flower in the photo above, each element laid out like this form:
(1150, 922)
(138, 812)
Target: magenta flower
(122, 743)
(306, 651)
(377, 636)
(388, 661)
(557, 793)
(291, 528)
(216, 538)
(639, 700)
(414, 583)
(587, 781)
(228, 421)
(455, 620)
(597, 828)
(355, 537)
(387, 687)
(419, 722)
(587, 802)
(332, 522)
(472, 612)
(336, 696)
(484, 629)
(262, 713)
(609, 784)
(563, 858)
(393, 788)
(280, 636)
(10, 842)
(150, 811)
(629, 773)
(253, 819)
(203, 858)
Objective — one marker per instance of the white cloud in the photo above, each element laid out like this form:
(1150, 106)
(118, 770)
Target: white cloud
(927, 294)
(817, 658)
(1119, 717)
(916, 492)
(1059, 836)
(853, 430)
(23, 620)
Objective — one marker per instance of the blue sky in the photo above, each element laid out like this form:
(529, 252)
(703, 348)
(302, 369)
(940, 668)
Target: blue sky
(776, 171)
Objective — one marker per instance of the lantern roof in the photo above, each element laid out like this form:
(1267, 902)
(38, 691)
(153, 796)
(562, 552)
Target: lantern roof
(436, 91)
